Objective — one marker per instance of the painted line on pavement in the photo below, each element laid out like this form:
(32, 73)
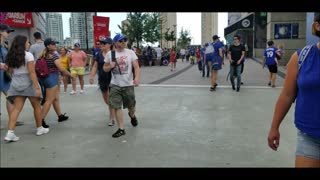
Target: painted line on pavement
(190, 86)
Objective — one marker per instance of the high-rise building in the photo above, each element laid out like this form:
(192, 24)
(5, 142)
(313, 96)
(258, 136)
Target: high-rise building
(168, 22)
(55, 27)
(81, 29)
(209, 27)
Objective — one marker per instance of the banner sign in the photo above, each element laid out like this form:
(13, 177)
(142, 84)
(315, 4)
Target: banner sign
(19, 19)
(286, 31)
(100, 28)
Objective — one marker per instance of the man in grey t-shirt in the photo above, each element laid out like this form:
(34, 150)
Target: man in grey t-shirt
(37, 48)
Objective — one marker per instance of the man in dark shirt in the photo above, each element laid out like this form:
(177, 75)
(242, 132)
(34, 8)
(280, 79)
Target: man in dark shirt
(236, 54)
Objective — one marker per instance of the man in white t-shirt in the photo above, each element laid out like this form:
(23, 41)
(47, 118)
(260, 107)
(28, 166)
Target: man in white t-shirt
(123, 81)
(159, 52)
(182, 53)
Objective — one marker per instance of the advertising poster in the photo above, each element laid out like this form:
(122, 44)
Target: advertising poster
(100, 28)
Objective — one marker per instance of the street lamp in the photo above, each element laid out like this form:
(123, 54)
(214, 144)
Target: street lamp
(175, 32)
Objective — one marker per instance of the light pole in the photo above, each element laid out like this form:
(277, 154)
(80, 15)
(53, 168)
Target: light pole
(85, 23)
(175, 33)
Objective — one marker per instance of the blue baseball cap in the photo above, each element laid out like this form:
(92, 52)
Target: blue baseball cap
(106, 40)
(119, 37)
(77, 44)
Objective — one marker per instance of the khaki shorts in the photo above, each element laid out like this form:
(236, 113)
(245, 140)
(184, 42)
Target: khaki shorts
(77, 70)
(121, 96)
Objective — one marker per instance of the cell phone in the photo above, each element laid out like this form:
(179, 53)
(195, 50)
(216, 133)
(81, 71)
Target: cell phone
(113, 56)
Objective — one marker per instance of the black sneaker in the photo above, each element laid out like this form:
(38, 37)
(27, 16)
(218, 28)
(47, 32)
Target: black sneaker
(44, 124)
(134, 120)
(118, 133)
(215, 85)
(212, 88)
(63, 117)
(269, 83)
(238, 89)
(233, 87)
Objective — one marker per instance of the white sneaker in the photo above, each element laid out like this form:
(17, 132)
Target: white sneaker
(73, 92)
(41, 130)
(111, 123)
(11, 137)
(81, 91)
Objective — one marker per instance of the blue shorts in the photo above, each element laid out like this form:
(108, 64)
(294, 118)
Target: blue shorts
(50, 81)
(308, 146)
(216, 63)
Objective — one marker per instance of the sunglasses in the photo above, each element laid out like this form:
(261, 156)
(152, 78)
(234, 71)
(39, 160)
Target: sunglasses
(122, 41)
(104, 43)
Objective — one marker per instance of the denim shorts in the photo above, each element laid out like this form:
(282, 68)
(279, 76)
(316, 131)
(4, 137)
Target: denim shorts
(308, 146)
(50, 81)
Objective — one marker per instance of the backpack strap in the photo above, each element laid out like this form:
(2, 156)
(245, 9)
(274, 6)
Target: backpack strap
(303, 54)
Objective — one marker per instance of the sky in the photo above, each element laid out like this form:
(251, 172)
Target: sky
(187, 21)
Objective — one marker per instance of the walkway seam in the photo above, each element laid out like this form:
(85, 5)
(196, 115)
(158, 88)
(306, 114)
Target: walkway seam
(171, 75)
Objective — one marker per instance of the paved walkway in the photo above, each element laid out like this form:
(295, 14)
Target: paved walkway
(181, 124)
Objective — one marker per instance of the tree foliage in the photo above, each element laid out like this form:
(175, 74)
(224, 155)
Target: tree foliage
(184, 39)
(142, 27)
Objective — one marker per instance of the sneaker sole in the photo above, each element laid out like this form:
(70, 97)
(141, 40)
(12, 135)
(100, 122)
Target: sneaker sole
(11, 140)
(43, 133)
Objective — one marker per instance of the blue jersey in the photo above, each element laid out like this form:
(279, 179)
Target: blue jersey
(270, 54)
(307, 110)
(4, 86)
(218, 45)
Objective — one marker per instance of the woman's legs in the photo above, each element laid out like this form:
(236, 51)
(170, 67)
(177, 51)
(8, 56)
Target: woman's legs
(35, 102)
(18, 105)
(51, 95)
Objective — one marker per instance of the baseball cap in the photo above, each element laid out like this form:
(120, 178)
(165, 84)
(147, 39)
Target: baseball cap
(49, 41)
(215, 37)
(4, 27)
(106, 40)
(119, 37)
(77, 44)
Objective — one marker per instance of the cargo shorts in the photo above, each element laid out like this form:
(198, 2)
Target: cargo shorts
(121, 96)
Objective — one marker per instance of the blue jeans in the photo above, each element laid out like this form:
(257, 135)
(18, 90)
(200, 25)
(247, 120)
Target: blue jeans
(204, 67)
(235, 71)
(308, 146)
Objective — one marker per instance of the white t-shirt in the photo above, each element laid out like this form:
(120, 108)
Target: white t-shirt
(159, 51)
(24, 69)
(125, 60)
(182, 51)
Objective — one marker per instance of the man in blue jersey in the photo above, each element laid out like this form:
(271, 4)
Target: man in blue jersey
(217, 60)
(269, 59)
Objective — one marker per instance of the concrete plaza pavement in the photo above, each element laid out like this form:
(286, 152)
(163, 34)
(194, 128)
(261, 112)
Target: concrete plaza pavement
(181, 124)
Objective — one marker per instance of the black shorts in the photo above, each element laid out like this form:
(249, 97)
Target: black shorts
(273, 68)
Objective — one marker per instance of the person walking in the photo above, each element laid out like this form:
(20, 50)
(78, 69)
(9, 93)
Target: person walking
(236, 54)
(104, 78)
(302, 84)
(50, 82)
(5, 77)
(122, 81)
(77, 67)
(24, 85)
(270, 59)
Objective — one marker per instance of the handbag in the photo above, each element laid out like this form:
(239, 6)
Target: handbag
(6, 76)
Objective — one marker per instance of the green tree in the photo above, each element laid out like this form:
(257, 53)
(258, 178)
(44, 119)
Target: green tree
(184, 39)
(142, 27)
(152, 28)
(134, 29)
